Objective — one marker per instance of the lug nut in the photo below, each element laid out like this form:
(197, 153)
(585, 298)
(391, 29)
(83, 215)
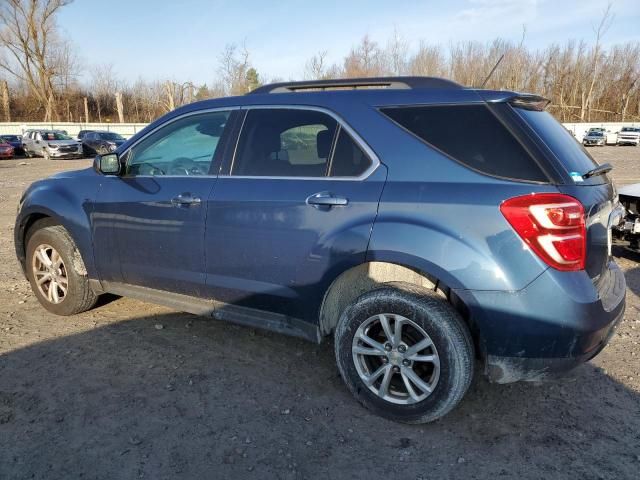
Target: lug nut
(396, 369)
(402, 348)
(387, 347)
(406, 362)
(385, 360)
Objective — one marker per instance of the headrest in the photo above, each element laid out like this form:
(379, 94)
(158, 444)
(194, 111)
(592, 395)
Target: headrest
(323, 143)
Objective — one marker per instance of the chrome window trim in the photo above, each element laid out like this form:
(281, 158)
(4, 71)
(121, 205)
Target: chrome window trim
(375, 161)
(169, 122)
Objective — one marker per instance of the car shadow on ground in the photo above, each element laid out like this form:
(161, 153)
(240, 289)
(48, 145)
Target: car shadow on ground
(171, 395)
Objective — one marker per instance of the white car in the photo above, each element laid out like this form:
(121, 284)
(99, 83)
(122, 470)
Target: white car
(610, 138)
(629, 136)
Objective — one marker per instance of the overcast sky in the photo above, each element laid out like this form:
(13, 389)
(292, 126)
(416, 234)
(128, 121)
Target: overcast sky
(182, 40)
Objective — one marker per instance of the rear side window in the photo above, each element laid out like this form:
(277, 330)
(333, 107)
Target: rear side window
(284, 143)
(473, 136)
(566, 149)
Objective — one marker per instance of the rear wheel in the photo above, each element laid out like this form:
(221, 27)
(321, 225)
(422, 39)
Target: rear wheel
(404, 353)
(56, 271)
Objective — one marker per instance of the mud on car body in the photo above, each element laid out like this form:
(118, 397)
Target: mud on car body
(352, 209)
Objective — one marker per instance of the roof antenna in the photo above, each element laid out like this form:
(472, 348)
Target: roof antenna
(492, 70)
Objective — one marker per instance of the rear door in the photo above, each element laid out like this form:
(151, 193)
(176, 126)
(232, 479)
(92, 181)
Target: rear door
(293, 209)
(596, 193)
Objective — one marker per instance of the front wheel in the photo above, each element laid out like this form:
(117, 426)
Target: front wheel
(404, 353)
(56, 271)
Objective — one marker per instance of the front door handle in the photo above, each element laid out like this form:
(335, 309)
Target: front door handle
(326, 200)
(185, 199)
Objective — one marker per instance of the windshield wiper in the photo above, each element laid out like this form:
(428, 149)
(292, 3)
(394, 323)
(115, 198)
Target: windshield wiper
(599, 170)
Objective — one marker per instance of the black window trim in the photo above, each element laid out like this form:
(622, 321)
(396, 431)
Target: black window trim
(125, 154)
(487, 105)
(375, 161)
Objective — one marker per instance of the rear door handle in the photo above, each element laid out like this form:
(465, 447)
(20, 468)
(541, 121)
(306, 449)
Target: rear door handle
(185, 199)
(327, 200)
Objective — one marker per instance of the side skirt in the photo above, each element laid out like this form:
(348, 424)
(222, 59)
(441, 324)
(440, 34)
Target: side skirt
(246, 316)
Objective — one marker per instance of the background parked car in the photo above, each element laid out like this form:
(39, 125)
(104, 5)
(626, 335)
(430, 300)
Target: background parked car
(15, 141)
(629, 136)
(594, 138)
(51, 144)
(101, 142)
(82, 133)
(610, 137)
(6, 150)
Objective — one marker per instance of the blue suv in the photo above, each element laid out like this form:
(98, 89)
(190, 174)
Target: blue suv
(425, 226)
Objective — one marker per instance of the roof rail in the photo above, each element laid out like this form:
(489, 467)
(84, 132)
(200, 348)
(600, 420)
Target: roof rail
(398, 83)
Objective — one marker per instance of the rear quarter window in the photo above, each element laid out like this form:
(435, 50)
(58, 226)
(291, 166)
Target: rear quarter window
(471, 135)
(569, 152)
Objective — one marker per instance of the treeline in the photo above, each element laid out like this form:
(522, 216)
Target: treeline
(39, 73)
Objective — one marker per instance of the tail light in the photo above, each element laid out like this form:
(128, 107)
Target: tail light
(552, 225)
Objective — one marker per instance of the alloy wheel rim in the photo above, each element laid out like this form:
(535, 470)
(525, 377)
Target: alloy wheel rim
(50, 274)
(396, 359)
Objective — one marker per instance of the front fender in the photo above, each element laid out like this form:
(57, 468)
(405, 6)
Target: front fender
(68, 200)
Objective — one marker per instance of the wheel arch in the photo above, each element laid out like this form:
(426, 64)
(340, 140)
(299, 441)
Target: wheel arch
(43, 218)
(357, 280)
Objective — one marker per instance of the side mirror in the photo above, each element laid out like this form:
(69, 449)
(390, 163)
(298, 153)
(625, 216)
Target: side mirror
(108, 164)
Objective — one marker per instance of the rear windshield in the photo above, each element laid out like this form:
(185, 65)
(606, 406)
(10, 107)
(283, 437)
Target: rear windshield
(472, 135)
(566, 148)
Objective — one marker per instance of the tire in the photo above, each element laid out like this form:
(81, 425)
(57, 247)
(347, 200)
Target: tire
(449, 373)
(27, 154)
(78, 296)
(45, 154)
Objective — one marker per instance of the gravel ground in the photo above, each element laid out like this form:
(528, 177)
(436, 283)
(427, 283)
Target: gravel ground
(132, 390)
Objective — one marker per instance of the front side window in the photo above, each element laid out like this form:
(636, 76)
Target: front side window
(184, 147)
(284, 143)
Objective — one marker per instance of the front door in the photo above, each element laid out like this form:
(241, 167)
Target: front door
(153, 215)
(294, 209)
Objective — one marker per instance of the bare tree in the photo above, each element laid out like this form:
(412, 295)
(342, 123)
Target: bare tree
(6, 105)
(316, 67)
(600, 31)
(234, 65)
(33, 51)
(397, 52)
(365, 60)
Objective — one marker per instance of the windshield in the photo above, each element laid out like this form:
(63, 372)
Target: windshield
(54, 136)
(566, 149)
(595, 134)
(111, 136)
(10, 138)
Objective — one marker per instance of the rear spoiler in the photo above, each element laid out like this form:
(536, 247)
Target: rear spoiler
(529, 102)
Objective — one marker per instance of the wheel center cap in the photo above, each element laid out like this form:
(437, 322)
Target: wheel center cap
(395, 358)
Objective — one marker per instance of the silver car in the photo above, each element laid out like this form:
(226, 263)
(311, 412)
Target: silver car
(51, 144)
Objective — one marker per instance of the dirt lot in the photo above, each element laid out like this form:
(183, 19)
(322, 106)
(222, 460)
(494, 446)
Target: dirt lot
(131, 390)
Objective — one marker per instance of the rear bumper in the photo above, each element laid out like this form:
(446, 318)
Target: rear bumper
(560, 320)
